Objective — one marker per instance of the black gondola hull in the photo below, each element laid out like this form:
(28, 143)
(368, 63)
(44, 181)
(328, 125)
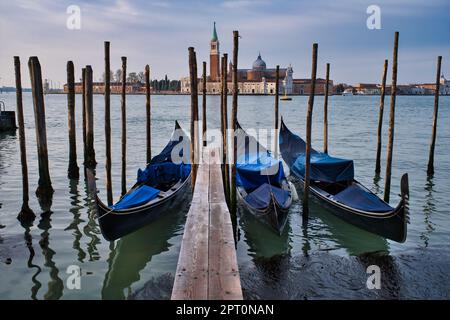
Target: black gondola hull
(391, 225)
(115, 225)
(274, 216)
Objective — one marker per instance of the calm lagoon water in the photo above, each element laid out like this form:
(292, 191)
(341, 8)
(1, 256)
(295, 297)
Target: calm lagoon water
(321, 258)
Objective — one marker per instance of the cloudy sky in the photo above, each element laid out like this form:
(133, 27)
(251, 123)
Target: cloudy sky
(158, 32)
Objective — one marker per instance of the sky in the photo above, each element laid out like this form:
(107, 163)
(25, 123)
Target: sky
(159, 32)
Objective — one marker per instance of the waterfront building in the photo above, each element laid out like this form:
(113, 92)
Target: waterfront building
(258, 80)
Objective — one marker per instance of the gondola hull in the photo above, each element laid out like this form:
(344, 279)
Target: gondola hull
(274, 216)
(390, 225)
(115, 225)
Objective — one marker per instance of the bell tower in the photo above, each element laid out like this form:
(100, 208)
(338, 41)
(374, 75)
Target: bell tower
(214, 57)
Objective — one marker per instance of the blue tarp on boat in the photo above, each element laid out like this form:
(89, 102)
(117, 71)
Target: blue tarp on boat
(164, 172)
(361, 199)
(137, 197)
(256, 169)
(260, 198)
(325, 168)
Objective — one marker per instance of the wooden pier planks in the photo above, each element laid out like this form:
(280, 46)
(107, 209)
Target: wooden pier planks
(207, 265)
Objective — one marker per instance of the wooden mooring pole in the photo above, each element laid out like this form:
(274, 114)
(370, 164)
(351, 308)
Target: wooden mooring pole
(44, 190)
(25, 214)
(277, 100)
(225, 158)
(380, 118)
(390, 147)
(430, 170)
(308, 130)
(204, 104)
(234, 124)
(83, 94)
(325, 111)
(90, 162)
(108, 165)
(194, 110)
(73, 172)
(148, 113)
(124, 125)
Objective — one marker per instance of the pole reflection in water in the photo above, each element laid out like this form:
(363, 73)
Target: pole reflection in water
(376, 183)
(134, 251)
(55, 285)
(76, 212)
(91, 229)
(29, 243)
(428, 209)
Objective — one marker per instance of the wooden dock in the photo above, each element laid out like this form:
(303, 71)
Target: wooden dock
(207, 266)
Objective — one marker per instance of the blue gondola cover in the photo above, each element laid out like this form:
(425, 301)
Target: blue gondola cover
(260, 198)
(163, 172)
(358, 198)
(256, 169)
(325, 168)
(139, 196)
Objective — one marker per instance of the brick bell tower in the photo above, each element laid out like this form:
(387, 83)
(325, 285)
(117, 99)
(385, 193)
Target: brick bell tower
(214, 57)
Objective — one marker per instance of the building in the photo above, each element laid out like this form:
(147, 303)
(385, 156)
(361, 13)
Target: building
(116, 87)
(368, 88)
(257, 80)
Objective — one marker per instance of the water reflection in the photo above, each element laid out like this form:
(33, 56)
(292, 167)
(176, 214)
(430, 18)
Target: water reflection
(76, 212)
(428, 209)
(262, 241)
(353, 239)
(91, 229)
(29, 243)
(134, 251)
(55, 285)
(376, 183)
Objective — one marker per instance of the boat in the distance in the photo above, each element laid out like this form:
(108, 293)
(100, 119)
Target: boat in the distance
(285, 97)
(261, 184)
(347, 92)
(332, 183)
(161, 186)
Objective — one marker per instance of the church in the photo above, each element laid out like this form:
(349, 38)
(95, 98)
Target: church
(258, 80)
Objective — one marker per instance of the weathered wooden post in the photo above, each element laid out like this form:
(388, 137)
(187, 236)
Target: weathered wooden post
(390, 146)
(277, 100)
(108, 165)
(194, 110)
(325, 111)
(124, 125)
(204, 104)
(25, 214)
(73, 171)
(308, 129)
(225, 158)
(234, 124)
(44, 190)
(380, 118)
(83, 94)
(148, 113)
(90, 153)
(430, 170)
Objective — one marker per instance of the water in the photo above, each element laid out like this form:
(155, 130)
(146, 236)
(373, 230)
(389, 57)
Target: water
(318, 259)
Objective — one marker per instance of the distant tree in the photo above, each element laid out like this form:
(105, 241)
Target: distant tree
(118, 76)
(174, 85)
(132, 77)
(141, 77)
(155, 85)
(340, 88)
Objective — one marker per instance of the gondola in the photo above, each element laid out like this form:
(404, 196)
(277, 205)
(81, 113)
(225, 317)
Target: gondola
(333, 186)
(262, 187)
(159, 188)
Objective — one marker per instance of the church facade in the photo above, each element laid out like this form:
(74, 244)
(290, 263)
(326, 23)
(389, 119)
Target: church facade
(258, 80)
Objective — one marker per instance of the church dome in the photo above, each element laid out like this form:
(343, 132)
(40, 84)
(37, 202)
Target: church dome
(259, 63)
